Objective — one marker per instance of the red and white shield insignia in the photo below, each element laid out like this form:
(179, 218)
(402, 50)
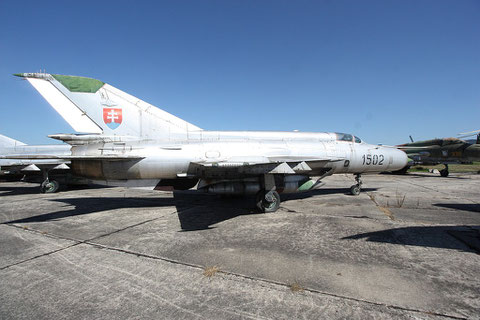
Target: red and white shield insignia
(112, 117)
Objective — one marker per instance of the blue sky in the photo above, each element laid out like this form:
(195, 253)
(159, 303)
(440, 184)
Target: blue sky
(382, 69)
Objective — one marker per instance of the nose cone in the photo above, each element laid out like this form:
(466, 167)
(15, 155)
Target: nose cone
(399, 159)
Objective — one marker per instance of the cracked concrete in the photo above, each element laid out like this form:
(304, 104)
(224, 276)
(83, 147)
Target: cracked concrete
(117, 253)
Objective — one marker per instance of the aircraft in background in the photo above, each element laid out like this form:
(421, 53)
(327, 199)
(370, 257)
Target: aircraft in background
(440, 151)
(471, 134)
(49, 172)
(132, 143)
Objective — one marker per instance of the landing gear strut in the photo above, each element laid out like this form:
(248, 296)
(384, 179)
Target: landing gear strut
(444, 172)
(48, 186)
(356, 188)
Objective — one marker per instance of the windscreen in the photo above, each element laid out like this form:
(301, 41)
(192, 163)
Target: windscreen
(344, 137)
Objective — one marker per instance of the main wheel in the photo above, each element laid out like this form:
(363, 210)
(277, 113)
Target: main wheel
(444, 173)
(355, 190)
(268, 201)
(50, 186)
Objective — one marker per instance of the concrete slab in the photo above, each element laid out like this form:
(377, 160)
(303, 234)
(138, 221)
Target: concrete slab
(396, 250)
(87, 282)
(19, 245)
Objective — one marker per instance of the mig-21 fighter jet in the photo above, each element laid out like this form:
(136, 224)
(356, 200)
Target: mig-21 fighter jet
(130, 142)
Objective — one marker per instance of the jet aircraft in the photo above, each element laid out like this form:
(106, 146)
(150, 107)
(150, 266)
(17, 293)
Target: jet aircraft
(440, 151)
(130, 142)
(32, 168)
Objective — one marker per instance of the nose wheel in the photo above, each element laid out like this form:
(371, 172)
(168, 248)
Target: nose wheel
(356, 188)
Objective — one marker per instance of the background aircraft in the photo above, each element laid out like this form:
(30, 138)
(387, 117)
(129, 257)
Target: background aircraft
(49, 172)
(471, 134)
(440, 151)
(133, 143)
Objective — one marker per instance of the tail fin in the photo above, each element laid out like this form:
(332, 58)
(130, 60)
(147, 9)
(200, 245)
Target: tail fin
(92, 106)
(6, 142)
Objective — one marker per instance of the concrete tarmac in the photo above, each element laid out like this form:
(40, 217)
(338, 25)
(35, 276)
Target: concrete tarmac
(406, 247)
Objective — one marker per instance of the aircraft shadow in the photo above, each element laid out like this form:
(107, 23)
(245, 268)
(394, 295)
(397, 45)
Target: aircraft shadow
(197, 211)
(13, 191)
(460, 206)
(89, 205)
(35, 189)
(462, 238)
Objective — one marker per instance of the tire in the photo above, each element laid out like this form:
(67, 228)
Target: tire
(50, 186)
(355, 190)
(444, 173)
(268, 206)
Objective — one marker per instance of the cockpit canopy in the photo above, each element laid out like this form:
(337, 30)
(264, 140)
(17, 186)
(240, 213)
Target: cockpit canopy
(347, 137)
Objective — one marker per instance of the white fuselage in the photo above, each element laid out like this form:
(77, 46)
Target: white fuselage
(170, 159)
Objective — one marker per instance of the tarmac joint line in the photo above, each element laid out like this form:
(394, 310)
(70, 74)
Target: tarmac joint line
(43, 254)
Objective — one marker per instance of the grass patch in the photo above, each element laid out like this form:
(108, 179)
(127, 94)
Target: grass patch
(387, 212)
(474, 167)
(210, 271)
(384, 209)
(372, 197)
(400, 199)
(295, 287)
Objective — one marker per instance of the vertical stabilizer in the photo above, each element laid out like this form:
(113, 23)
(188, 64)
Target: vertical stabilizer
(6, 142)
(92, 106)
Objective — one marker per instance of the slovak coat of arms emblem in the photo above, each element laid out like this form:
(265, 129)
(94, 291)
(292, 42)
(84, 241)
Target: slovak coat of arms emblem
(112, 117)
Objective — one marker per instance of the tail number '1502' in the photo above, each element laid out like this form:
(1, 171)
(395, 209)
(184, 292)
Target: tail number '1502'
(374, 160)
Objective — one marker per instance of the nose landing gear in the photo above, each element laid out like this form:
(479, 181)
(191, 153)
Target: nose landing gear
(356, 188)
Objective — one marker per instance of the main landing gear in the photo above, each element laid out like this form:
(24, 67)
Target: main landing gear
(444, 172)
(267, 199)
(356, 188)
(49, 186)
